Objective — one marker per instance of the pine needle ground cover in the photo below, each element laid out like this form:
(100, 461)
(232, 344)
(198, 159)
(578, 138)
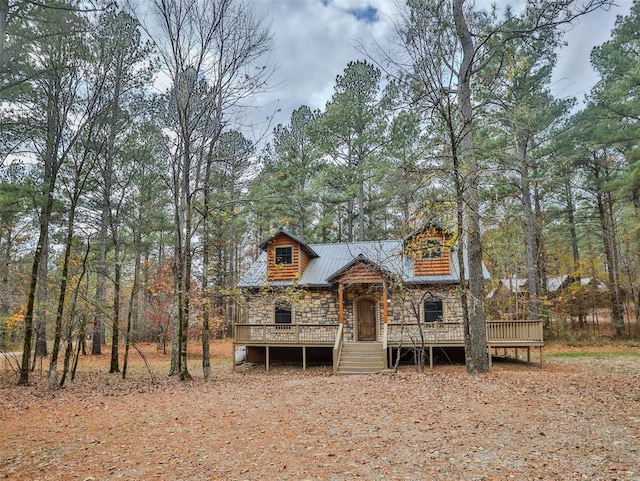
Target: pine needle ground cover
(576, 418)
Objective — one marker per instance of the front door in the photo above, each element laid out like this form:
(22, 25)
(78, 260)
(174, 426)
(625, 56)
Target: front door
(366, 320)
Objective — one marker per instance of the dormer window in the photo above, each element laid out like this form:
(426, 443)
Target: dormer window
(432, 249)
(284, 255)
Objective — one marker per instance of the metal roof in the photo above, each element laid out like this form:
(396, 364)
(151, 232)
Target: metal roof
(335, 258)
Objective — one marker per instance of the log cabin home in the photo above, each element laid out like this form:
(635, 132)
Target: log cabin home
(357, 305)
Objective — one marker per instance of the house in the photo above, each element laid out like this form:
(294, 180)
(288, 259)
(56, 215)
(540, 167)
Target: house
(573, 295)
(355, 304)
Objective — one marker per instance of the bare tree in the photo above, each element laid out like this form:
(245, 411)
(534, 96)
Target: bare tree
(211, 51)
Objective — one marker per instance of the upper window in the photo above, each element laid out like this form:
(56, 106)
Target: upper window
(433, 311)
(432, 249)
(284, 255)
(283, 315)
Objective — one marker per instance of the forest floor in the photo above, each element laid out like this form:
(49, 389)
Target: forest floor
(576, 418)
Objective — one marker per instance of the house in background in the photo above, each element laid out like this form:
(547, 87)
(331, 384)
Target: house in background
(354, 305)
(570, 295)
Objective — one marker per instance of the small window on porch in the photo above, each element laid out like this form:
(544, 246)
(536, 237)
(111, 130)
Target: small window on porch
(284, 255)
(283, 316)
(433, 311)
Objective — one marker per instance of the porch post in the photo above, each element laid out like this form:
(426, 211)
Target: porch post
(385, 311)
(340, 303)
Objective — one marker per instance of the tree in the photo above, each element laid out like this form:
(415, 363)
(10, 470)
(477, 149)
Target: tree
(211, 51)
(351, 132)
(123, 67)
(615, 102)
(526, 113)
(433, 33)
(285, 189)
(55, 95)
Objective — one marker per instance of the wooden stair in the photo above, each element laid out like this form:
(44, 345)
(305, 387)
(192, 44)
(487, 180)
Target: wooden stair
(361, 358)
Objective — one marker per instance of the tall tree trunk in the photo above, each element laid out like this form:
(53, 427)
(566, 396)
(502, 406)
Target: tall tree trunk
(186, 266)
(72, 317)
(42, 300)
(101, 273)
(115, 324)
(51, 167)
(53, 362)
(575, 251)
(538, 241)
(608, 238)
(132, 297)
(33, 284)
(529, 228)
(176, 324)
(476, 347)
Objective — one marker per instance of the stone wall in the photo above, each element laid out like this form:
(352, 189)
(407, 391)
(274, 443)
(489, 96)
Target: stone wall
(312, 306)
(320, 306)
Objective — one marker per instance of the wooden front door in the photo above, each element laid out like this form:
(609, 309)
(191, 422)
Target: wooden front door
(366, 320)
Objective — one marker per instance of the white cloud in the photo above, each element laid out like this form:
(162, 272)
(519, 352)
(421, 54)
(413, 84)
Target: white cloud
(315, 39)
(573, 75)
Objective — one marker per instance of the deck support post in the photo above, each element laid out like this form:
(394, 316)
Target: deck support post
(385, 301)
(266, 358)
(541, 358)
(304, 358)
(431, 357)
(340, 303)
(528, 354)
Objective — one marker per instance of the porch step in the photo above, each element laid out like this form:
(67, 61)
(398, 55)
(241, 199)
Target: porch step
(361, 358)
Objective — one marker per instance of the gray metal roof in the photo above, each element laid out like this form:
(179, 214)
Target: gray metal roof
(332, 258)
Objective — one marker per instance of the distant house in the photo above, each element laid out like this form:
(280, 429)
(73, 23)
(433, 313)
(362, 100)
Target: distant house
(352, 304)
(510, 298)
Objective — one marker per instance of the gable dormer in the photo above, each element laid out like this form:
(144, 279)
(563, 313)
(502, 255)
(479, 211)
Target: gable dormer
(287, 256)
(430, 249)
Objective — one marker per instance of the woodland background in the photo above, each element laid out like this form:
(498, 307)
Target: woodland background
(134, 190)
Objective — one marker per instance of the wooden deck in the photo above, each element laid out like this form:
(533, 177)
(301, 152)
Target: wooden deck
(500, 334)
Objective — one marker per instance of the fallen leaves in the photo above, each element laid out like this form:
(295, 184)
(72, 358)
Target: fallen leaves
(562, 422)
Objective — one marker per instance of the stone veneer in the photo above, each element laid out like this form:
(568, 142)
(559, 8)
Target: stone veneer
(320, 305)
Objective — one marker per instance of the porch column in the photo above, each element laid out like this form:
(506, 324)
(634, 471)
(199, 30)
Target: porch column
(385, 311)
(340, 303)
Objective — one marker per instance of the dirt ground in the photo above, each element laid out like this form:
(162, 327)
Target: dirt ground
(576, 418)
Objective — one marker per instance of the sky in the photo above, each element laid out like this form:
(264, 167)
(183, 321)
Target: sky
(313, 41)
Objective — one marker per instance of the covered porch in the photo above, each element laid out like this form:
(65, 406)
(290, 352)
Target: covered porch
(516, 334)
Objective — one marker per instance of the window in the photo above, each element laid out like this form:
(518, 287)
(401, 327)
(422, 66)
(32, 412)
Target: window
(284, 255)
(283, 315)
(433, 311)
(432, 249)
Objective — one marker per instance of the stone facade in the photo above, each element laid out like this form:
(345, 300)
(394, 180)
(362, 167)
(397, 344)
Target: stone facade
(320, 305)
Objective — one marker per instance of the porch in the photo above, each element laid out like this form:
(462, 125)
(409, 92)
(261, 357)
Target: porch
(515, 334)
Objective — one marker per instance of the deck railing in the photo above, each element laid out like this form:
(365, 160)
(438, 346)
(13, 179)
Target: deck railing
(499, 333)
(316, 334)
(451, 333)
(409, 333)
(514, 331)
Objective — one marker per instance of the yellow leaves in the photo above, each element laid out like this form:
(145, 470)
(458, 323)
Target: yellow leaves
(15, 320)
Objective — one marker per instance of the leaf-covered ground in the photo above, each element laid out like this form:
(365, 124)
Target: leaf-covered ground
(577, 418)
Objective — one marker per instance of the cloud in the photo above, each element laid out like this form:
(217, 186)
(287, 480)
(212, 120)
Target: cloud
(573, 75)
(315, 39)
